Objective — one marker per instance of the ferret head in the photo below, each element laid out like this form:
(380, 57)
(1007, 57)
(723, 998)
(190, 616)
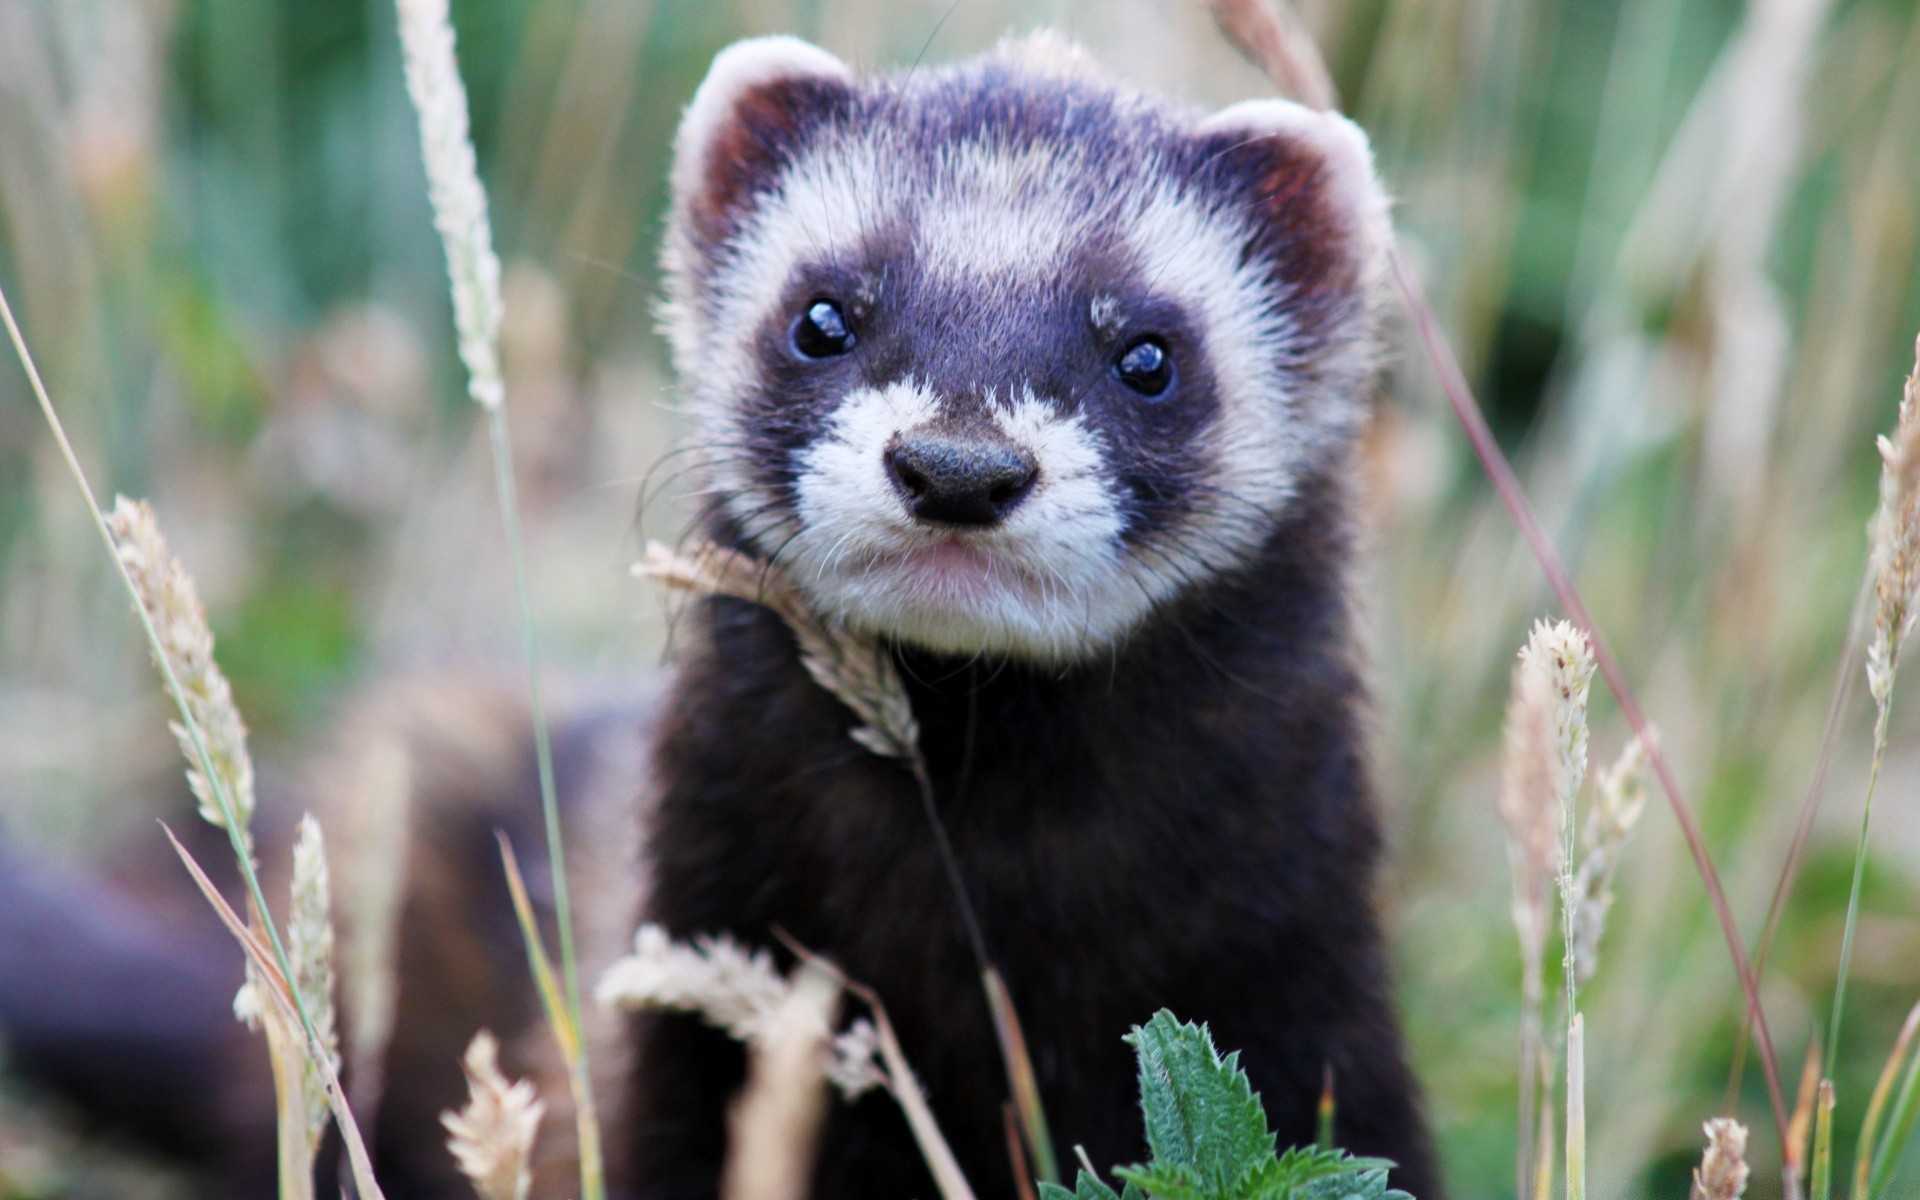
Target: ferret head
(1003, 358)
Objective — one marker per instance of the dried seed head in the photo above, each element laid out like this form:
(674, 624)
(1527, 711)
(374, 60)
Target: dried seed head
(1562, 654)
(1620, 796)
(1722, 1173)
(1559, 655)
(492, 1137)
(1896, 541)
(453, 188)
(310, 952)
(715, 977)
(854, 1065)
(1527, 807)
(737, 990)
(167, 594)
(857, 670)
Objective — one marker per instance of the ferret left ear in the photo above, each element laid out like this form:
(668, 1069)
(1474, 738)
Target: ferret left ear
(1314, 194)
(759, 105)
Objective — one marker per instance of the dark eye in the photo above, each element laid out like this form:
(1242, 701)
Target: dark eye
(822, 331)
(1146, 367)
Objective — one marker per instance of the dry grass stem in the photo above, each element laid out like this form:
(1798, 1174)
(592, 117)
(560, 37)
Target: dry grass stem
(857, 670)
(299, 1085)
(1620, 796)
(376, 778)
(1722, 1173)
(774, 1125)
(1577, 1108)
(1896, 541)
(459, 205)
(453, 188)
(492, 1137)
(898, 1078)
(1526, 807)
(1270, 35)
(275, 996)
(166, 592)
(1800, 1126)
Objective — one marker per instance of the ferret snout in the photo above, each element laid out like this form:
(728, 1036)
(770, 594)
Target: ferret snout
(952, 479)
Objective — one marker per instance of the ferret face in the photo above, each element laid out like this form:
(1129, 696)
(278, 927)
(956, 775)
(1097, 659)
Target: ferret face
(1002, 359)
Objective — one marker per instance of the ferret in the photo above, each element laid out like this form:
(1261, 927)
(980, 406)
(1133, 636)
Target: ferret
(1053, 389)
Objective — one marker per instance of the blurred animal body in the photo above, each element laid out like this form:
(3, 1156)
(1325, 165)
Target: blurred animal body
(1052, 388)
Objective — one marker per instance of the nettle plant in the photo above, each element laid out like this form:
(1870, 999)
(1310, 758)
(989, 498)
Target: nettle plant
(1209, 1138)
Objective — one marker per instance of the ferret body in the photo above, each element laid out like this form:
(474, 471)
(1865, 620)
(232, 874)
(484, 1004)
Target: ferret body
(1052, 389)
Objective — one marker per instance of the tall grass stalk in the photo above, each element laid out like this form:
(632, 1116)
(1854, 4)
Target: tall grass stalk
(1577, 1108)
(460, 214)
(1896, 575)
(1823, 1144)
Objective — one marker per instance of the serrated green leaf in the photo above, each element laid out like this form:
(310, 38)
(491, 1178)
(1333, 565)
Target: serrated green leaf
(1164, 1181)
(1201, 1113)
(1086, 1187)
(1368, 1184)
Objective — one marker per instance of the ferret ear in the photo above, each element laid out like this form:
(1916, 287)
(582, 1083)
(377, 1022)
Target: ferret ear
(1318, 209)
(761, 101)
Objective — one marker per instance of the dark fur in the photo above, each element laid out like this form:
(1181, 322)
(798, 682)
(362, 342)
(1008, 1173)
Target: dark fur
(1186, 825)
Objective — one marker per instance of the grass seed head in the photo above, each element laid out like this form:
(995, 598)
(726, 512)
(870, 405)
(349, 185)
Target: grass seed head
(1620, 796)
(310, 949)
(734, 989)
(857, 670)
(1527, 807)
(1722, 1173)
(492, 1137)
(1896, 541)
(166, 592)
(453, 189)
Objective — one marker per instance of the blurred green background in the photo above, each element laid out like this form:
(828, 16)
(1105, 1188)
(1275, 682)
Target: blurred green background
(1675, 241)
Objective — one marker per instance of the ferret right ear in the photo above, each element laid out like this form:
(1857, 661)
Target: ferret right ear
(761, 101)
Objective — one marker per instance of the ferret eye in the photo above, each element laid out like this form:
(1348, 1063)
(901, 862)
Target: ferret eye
(822, 331)
(1146, 367)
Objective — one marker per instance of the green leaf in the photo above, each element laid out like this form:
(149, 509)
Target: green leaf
(1203, 1120)
(1366, 1184)
(1086, 1187)
(1163, 1181)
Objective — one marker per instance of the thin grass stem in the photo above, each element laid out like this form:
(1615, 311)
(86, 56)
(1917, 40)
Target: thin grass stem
(1823, 1144)
(1853, 891)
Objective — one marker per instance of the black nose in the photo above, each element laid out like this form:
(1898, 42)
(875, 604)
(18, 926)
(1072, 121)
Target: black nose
(957, 482)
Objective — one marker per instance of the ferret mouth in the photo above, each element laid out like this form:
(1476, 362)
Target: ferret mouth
(951, 570)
